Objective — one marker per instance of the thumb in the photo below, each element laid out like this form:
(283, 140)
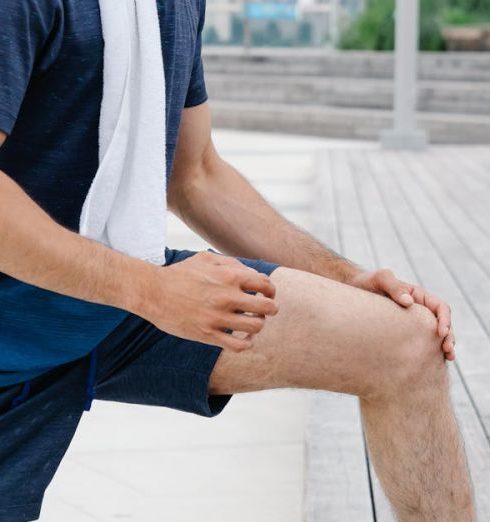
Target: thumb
(405, 299)
(396, 289)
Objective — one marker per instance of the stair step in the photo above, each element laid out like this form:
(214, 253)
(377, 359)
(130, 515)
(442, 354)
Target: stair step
(341, 122)
(450, 66)
(452, 97)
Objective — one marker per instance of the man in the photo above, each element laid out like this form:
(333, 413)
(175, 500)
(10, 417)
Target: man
(79, 320)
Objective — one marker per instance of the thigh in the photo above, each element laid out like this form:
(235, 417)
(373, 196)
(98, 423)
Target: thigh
(327, 335)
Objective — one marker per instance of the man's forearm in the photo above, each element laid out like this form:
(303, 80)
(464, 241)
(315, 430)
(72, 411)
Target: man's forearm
(224, 208)
(38, 251)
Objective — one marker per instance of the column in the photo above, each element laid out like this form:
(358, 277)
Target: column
(405, 134)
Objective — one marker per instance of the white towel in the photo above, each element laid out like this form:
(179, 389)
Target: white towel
(126, 205)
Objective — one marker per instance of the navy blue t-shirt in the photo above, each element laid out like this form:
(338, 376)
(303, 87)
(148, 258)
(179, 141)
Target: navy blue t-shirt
(51, 69)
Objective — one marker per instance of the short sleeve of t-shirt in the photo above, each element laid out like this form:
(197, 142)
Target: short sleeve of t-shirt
(197, 93)
(26, 28)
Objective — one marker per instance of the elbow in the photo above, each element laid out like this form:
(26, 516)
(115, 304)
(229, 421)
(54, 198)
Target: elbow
(190, 183)
(185, 191)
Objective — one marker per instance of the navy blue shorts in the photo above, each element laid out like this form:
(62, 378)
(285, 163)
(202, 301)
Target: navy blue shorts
(136, 363)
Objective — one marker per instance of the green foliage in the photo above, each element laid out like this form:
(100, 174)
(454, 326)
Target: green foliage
(431, 25)
(458, 16)
(466, 12)
(374, 29)
(471, 6)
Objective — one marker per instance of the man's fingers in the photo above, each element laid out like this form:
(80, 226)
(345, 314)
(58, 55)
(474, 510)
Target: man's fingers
(443, 314)
(244, 323)
(440, 309)
(256, 304)
(448, 346)
(448, 349)
(384, 281)
(250, 280)
(230, 342)
(256, 282)
(449, 342)
(394, 288)
(222, 260)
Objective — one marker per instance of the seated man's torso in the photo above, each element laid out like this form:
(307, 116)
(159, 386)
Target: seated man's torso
(52, 152)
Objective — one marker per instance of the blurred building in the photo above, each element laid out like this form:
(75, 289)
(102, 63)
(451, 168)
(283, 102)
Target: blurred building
(284, 23)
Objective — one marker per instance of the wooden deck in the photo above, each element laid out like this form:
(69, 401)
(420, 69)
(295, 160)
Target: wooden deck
(427, 216)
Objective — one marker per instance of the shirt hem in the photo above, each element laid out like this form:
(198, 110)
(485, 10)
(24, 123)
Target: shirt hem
(196, 102)
(7, 122)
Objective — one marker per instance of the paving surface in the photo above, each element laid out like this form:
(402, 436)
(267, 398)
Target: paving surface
(425, 215)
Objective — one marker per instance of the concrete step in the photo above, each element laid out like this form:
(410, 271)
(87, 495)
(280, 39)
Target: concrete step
(442, 96)
(450, 66)
(341, 122)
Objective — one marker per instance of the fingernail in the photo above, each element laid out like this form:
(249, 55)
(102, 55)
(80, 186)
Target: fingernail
(407, 298)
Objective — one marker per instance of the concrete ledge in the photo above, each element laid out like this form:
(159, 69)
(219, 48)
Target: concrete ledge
(354, 64)
(394, 139)
(335, 122)
(442, 96)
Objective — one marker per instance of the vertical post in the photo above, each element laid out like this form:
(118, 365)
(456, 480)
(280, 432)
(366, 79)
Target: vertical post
(247, 31)
(334, 23)
(405, 134)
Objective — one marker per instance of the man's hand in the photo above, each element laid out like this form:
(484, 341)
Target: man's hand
(384, 282)
(206, 296)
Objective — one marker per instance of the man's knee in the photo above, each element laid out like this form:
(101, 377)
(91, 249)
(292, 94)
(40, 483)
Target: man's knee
(417, 361)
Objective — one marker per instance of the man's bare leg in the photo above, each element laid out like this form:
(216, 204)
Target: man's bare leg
(335, 337)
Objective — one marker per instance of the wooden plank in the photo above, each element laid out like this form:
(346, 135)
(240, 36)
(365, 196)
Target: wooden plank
(468, 271)
(482, 155)
(468, 234)
(404, 204)
(337, 485)
(355, 238)
(463, 188)
(460, 211)
(473, 160)
(360, 246)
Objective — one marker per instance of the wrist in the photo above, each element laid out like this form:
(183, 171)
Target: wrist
(147, 289)
(340, 269)
(350, 273)
(142, 284)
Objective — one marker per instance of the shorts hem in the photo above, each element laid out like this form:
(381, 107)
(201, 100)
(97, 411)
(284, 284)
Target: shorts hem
(21, 513)
(211, 405)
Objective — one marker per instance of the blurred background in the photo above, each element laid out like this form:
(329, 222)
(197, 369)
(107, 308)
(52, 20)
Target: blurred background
(345, 24)
(385, 157)
(325, 67)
